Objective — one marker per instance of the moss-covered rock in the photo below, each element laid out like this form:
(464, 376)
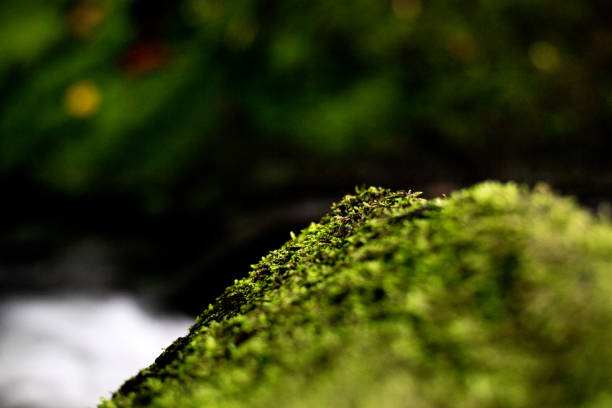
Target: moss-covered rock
(497, 296)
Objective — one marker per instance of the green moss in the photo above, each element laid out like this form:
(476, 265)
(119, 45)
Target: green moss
(495, 297)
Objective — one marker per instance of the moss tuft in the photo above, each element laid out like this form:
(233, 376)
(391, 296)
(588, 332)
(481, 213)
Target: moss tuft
(497, 296)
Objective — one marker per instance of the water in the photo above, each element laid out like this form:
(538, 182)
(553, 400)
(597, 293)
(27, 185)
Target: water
(68, 352)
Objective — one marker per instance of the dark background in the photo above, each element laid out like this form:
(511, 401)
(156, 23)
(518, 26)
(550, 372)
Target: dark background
(160, 148)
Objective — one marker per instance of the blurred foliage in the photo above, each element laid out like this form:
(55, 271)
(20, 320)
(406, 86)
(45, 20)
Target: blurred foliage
(137, 97)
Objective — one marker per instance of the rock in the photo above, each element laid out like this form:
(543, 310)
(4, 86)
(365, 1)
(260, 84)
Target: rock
(498, 296)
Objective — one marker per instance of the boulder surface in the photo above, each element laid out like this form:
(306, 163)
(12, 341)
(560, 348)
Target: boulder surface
(497, 296)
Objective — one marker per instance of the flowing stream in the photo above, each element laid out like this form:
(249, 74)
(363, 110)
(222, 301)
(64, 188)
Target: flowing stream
(60, 351)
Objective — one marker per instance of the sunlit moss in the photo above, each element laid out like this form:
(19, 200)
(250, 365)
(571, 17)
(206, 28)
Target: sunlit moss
(495, 297)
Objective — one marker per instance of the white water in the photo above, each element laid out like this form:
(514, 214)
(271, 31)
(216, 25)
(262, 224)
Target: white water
(68, 352)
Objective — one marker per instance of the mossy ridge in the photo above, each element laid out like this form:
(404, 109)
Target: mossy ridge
(497, 296)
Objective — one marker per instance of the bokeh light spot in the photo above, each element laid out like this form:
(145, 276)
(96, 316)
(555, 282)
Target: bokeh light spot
(241, 32)
(544, 56)
(461, 45)
(406, 9)
(82, 99)
(208, 10)
(144, 57)
(85, 17)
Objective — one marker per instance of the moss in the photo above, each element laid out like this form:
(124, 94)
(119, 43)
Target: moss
(497, 296)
